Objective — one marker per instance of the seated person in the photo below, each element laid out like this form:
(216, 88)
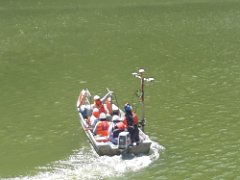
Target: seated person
(94, 117)
(99, 102)
(115, 128)
(115, 110)
(101, 128)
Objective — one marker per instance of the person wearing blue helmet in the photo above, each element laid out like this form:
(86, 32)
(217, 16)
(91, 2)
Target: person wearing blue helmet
(131, 121)
(127, 108)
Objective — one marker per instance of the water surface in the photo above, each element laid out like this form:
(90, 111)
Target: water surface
(49, 51)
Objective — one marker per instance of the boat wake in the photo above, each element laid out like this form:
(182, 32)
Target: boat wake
(85, 164)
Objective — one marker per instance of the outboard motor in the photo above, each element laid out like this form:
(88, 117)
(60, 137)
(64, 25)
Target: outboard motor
(124, 140)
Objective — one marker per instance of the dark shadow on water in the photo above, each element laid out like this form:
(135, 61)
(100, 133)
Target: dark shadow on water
(127, 156)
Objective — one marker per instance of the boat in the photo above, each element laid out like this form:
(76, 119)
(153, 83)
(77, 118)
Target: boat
(102, 144)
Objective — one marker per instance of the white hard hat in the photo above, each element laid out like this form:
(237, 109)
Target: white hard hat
(96, 97)
(102, 116)
(115, 118)
(115, 108)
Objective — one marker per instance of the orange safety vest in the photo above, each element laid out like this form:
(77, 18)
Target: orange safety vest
(100, 107)
(102, 128)
(121, 126)
(135, 120)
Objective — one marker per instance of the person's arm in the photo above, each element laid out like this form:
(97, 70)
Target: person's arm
(103, 99)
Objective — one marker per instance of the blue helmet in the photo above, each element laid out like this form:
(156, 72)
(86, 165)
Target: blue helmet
(128, 108)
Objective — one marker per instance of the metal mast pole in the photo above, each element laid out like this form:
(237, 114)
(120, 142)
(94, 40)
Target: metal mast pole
(142, 79)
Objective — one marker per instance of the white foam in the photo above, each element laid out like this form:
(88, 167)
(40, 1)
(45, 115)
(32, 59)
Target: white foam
(85, 164)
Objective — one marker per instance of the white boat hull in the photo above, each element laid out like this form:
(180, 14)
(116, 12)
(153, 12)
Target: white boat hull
(104, 146)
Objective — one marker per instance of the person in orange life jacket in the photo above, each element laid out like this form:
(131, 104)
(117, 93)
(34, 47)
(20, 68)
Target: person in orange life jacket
(131, 121)
(99, 102)
(101, 128)
(94, 118)
(115, 128)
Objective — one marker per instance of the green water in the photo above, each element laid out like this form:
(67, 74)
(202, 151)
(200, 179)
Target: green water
(49, 50)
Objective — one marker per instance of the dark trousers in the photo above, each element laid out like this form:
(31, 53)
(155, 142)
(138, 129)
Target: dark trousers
(134, 133)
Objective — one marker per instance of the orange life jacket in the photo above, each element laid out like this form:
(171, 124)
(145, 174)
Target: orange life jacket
(100, 107)
(134, 118)
(102, 128)
(121, 126)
